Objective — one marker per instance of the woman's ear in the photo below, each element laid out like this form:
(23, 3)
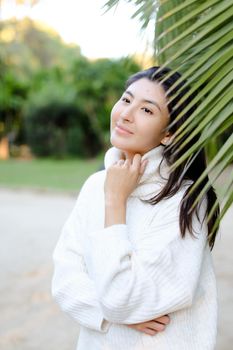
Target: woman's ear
(166, 139)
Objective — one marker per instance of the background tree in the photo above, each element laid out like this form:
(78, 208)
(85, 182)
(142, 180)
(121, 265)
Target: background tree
(67, 111)
(25, 50)
(53, 98)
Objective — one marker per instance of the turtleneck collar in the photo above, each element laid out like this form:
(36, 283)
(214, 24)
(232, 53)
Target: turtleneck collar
(155, 175)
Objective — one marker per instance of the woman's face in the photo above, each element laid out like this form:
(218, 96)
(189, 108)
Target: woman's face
(138, 119)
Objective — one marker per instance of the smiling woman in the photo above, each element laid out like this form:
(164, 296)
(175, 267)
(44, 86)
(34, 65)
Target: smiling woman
(133, 265)
(139, 116)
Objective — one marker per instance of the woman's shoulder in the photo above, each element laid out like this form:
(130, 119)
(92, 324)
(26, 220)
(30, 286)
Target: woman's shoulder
(93, 183)
(96, 177)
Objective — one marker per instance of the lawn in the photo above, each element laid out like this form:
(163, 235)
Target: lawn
(62, 175)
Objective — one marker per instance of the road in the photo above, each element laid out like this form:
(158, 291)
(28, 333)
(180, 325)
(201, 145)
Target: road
(30, 224)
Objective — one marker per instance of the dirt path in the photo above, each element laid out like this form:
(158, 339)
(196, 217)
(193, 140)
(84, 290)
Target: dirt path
(30, 224)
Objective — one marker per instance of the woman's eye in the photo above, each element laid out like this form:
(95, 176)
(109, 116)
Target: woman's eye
(147, 110)
(125, 99)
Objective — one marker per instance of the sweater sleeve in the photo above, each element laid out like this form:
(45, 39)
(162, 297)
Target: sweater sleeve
(72, 288)
(156, 277)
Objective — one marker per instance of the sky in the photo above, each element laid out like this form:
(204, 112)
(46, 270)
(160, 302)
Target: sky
(113, 34)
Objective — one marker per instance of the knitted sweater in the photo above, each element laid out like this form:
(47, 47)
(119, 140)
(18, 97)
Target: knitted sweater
(106, 278)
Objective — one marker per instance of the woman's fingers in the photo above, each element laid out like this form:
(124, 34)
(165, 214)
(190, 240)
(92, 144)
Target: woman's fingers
(138, 165)
(127, 163)
(142, 327)
(149, 331)
(163, 319)
(143, 166)
(159, 327)
(123, 162)
(152, 327)
(120, 162)
(136, 162)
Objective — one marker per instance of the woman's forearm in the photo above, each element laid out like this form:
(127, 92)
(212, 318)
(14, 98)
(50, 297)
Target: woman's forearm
(121, 180)
(115, 212)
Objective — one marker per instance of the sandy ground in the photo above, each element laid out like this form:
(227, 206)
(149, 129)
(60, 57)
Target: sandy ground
(30, 224)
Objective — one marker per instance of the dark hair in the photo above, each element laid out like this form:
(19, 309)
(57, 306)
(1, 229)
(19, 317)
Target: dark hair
(176, 89)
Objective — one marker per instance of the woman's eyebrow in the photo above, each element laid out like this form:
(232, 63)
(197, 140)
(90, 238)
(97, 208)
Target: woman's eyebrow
(147, 101)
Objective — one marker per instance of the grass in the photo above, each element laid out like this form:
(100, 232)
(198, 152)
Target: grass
(47, 174)
(58, 175)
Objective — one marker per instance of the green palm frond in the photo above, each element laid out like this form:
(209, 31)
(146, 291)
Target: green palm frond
(144, 9)
(209, 63)
(195, 37)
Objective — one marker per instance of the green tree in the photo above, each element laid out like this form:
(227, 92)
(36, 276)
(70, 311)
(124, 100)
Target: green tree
(195, 37)
(12, 95)
(99, 84)
(51, 96)
(54, 122)
(27, 46)
(67, 110)
(29, 54)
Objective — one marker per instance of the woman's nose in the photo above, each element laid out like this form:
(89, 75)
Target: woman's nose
(127, 114)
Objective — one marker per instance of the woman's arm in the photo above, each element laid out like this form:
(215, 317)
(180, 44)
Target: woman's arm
(158, 278)
(72, 288)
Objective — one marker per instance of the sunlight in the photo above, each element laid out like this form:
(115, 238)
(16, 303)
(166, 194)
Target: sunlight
(84, 23)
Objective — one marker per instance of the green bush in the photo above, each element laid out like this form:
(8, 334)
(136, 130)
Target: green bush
(55, 126)
(76, 142)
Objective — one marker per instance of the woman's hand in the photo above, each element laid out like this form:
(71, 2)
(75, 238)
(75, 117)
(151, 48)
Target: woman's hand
(152, 327)
(122, 178)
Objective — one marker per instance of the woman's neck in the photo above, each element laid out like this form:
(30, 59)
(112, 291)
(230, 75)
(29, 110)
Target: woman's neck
(128, 155)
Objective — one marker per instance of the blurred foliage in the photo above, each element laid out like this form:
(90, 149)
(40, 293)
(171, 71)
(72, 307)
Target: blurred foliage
(52, 97)
(27, 46)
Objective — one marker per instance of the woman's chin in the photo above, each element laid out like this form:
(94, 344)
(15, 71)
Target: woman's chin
(118, 144)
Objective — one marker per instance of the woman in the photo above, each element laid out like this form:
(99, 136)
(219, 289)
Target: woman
(135, 250)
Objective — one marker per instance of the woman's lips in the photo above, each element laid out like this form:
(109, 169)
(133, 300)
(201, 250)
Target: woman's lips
(122, 130)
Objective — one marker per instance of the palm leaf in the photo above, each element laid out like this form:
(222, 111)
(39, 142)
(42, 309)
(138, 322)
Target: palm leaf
(215, 66)
(195, 37)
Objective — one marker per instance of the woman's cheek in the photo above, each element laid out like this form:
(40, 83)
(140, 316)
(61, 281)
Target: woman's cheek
(114, 115)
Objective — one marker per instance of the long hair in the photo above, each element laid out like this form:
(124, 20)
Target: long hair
(191, 170)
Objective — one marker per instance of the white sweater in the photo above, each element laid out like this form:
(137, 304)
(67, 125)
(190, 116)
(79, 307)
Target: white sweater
(106, 278)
